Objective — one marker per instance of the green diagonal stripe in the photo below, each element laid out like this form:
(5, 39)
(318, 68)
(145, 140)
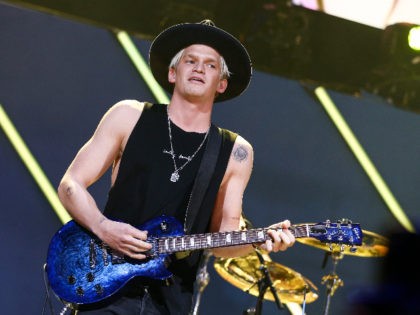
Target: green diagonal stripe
(32, 165)
(363, 159)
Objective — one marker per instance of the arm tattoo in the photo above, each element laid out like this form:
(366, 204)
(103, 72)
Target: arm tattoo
(240, 154)
(69, 191)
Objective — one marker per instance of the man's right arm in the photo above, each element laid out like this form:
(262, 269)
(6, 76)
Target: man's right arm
(90, 163)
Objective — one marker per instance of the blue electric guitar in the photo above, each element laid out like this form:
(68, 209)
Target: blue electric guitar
(81, 269)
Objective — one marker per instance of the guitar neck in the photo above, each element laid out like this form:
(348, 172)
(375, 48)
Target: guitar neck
(172, 244)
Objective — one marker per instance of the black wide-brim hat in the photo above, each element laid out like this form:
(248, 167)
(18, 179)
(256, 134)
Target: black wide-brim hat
(175, 38)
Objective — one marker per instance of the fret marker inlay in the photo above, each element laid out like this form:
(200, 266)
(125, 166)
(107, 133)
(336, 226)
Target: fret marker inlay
(228, 238)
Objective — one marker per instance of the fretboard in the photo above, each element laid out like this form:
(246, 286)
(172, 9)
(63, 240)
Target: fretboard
(172, 244)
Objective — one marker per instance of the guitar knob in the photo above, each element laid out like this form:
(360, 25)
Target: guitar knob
(80, 291)
(99, 289)
(71, 279)
(90, 277)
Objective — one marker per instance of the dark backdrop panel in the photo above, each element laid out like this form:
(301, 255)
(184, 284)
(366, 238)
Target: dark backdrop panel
(57, 79)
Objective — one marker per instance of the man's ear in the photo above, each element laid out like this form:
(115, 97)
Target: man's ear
(171, 75)
(222, 86)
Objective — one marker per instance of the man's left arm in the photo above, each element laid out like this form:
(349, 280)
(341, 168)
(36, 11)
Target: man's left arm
(228, 207)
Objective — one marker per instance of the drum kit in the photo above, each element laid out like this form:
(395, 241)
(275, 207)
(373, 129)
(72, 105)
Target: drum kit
(259, 276)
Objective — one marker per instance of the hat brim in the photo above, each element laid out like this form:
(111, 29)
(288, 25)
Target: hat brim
(175, 38)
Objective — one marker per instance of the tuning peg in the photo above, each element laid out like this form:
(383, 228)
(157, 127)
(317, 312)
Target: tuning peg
(345, 221)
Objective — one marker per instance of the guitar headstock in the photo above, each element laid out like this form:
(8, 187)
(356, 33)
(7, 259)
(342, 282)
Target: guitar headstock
(342, 232)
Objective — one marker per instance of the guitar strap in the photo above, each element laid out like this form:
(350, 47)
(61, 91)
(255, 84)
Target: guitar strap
(204, 174)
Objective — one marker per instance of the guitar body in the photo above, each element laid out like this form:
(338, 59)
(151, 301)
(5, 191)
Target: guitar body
(82, 270)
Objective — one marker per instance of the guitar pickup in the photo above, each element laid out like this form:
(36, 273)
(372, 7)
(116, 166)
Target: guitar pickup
(154, 251)
(104, 248)
(92, 254)
(117, 257)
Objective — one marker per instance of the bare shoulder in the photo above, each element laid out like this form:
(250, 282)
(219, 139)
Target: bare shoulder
(242, 151)
(126, 111)
(119, 120)
(127, 107)
(241, 159)
(240, 165)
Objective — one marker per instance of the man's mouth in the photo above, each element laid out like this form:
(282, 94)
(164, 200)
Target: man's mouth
(196, 79)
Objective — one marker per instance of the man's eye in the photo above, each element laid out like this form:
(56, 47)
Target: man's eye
(211, 66)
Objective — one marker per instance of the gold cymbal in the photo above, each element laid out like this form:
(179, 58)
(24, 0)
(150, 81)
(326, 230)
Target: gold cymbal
(244, 273)
(373, 245)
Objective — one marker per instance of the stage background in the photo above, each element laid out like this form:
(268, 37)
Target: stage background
(58, 77)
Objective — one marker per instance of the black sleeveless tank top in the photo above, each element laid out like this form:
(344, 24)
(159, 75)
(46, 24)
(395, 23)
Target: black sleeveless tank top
(143, 190)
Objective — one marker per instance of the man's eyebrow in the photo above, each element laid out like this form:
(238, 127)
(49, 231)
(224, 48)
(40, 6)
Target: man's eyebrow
(207, 58)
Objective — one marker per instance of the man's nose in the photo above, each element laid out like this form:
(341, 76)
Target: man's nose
(199, 67)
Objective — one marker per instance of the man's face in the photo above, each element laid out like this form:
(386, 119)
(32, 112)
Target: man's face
(198, 73)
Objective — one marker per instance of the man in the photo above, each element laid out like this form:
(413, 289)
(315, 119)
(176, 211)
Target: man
(155, 152)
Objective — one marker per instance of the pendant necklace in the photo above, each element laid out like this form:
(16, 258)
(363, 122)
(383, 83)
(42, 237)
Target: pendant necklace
(175, 174)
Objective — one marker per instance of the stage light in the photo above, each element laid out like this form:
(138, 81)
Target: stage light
(397, 75)
(414, 38)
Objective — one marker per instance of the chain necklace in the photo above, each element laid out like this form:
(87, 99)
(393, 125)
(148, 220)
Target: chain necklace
(175, 174)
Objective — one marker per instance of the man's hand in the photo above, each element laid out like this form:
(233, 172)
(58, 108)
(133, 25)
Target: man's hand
(124, 238)
(281, 237)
